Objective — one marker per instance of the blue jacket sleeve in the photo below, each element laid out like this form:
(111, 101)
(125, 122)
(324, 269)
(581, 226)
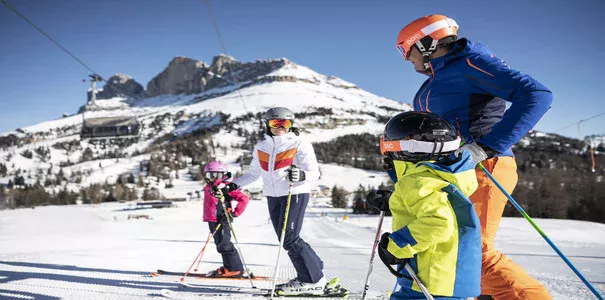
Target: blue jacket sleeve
(529, 98)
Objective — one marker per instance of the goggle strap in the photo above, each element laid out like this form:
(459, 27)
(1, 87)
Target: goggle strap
(414, 146)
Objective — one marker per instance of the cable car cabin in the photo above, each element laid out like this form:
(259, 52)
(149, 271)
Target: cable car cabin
(122, 127)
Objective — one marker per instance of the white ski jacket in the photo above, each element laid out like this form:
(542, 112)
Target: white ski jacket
(270, 159)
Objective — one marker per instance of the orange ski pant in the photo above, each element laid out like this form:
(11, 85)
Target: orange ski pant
(501, 278)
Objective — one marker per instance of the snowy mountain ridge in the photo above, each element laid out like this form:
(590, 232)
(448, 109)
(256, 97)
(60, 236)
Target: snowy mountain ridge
(327, 107)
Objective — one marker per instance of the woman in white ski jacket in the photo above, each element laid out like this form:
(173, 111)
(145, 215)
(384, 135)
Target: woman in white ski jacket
(281, 158)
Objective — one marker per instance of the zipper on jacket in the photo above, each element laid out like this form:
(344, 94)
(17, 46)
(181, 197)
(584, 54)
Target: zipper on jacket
(427, 99)
(426, 103)
(272, 167)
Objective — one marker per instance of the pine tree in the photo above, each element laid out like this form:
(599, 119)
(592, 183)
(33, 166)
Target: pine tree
(119, 192)
(140, 180)
(3, 170)
(87, 155)
(359, 202)
(338, 197)
(131, 178)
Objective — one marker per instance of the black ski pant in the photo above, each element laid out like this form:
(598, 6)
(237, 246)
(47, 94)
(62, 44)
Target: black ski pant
(222, 239)
(309, 267)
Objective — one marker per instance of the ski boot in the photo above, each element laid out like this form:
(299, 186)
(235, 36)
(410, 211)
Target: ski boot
(222, 272)
(296, 288)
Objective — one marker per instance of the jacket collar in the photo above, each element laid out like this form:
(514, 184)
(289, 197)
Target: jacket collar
(280, 139)
(462, 47)
(459, 171)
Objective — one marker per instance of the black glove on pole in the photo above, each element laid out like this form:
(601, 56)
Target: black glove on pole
(379, 199)
(389, 259)
(295, 174)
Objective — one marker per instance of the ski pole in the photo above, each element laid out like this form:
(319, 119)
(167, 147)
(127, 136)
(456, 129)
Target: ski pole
(241, 255)
(552, 245)
(211, 235)
(366, 286)
(199, 255)
(281, 240)
(418, 282)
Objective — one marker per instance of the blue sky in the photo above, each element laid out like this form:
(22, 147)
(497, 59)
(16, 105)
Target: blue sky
(558, 42)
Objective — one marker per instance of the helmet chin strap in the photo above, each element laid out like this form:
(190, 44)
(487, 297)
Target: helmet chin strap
(426, 56)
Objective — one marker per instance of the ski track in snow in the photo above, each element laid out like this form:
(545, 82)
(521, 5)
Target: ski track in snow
(95, 252)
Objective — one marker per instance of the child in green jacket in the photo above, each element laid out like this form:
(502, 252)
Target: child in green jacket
(435, 228)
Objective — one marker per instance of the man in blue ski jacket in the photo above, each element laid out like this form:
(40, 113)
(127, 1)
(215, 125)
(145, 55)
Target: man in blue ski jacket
(470, 87)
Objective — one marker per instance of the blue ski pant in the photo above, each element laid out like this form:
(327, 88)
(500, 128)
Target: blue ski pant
(405, 293)
(222, 239)
(309, 267)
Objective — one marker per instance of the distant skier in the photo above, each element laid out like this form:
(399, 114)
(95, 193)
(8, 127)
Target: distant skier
(214, 214)
(280, 158)
(435, 231)
(469, 86)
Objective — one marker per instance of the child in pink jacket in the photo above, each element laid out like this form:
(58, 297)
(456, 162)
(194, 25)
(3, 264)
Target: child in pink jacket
(215, 214)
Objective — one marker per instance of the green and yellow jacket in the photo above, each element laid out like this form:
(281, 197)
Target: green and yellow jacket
(436, 227)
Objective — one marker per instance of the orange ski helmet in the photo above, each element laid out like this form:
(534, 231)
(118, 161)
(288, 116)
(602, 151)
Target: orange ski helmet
(426, 33)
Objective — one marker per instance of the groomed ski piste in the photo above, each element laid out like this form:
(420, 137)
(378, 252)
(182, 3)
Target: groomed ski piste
(98, 252)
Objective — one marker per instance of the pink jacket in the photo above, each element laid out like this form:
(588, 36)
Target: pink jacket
(210, 203)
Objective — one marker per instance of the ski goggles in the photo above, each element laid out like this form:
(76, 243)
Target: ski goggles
(210, 175)
(414, 146)
(276, 123)
(402, 51)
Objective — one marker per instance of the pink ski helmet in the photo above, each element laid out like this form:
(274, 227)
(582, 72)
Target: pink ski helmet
(215, 166)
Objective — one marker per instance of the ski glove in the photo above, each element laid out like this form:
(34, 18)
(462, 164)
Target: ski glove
(295, 174)
(223, 189)
(218, 190)
(379, 199)
(386, 256)
(478, 152)
(389, 259)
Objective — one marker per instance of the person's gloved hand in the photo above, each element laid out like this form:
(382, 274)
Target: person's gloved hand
(231, 187)
(478, 152)
(384, 254)
(295, 174)
(223, 189)
(379, 199)
(217, 190)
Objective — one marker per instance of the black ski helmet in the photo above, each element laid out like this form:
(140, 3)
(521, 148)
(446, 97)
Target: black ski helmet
(277, 113)
(416, 136)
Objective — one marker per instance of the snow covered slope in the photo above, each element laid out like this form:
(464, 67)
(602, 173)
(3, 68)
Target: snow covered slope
(97, 252)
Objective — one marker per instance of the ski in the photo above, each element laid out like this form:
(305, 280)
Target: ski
(204, 276)
(221, 288)
(332, 290)
(170, 294)
(336, 293)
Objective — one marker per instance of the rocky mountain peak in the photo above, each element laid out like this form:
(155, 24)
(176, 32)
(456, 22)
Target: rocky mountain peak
(120, 85)
(185, 75)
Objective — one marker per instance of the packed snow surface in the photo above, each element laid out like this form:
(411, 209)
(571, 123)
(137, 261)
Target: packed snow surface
(97, 252)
